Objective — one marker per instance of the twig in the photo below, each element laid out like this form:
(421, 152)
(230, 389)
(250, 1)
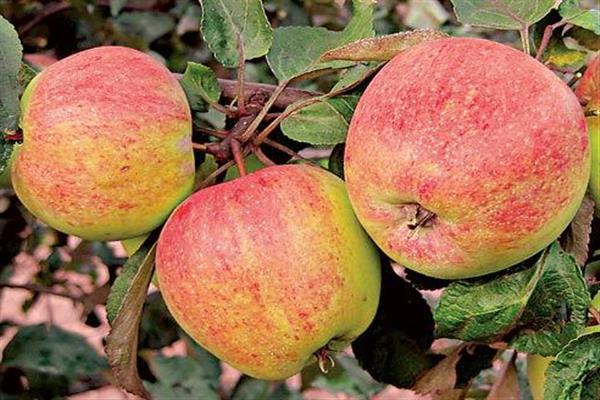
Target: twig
(207, 181)
(41, 289)
(262, 156)
(236, 150)
(249, 132)
(548, 31)
(241, 96)
(48, 10)
(261, 137)
(524, 31)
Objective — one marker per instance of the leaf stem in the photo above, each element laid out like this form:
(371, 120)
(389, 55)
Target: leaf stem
(548, 31)
(524, 31)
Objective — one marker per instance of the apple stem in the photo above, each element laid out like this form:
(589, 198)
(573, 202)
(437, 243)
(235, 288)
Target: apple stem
(236, 150)
(326, 362)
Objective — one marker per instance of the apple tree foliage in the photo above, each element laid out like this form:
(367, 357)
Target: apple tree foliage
(299, 68)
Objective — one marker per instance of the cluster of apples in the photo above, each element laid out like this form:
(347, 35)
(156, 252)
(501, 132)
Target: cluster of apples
(463, 157)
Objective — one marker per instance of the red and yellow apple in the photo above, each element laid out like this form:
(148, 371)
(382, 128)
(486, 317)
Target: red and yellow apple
(588, 92)
(269, 269)
(107, 145)
(465, 156)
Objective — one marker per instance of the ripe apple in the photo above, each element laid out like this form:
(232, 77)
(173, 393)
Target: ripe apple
(267, 270)
(588, 91)
(465, 156)
(107, 145)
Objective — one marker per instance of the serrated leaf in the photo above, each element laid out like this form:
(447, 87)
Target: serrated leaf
(576, 238)
(541, 307)
(11, 53)
(201, 86)
(297, 50)
(229, 26)
(116, 6)
(124, 309)
(394, 348)
(180, 378)
(502, 14)
(145, 25)
(322, 123)
(381, 48)
(52, 350)
(573, 369)
(575, 15)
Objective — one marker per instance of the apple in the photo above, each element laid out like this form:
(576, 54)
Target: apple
(588, 92)
(107, 149)
(269, 271)
(465, 156)
(537, 366)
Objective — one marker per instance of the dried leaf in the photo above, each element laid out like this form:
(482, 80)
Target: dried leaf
(506, 385)
(576, 238)
(381, 48)
(442, 377)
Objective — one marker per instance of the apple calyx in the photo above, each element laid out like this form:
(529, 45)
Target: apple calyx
(419, 216)
(325, 360)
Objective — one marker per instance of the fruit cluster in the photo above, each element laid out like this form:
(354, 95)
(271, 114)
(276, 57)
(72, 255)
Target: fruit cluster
(463, 157)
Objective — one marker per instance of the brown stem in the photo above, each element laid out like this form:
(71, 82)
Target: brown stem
(200, 146)
(262, 136)
(262, 156)
(236, 150)
(595, 313)
(524, 31)
(41, 289)
(241, 97)
(248, 133)
(48, 10)
(548, 31)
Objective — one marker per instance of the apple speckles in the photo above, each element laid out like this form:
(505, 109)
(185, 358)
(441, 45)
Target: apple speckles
(502, 162)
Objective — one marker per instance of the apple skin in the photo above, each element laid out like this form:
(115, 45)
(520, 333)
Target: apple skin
(479, 134)
(266, 270)
(107, 145)
(588, 92)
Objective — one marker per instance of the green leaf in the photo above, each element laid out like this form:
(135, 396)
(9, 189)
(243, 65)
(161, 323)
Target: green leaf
(502, 14)
(204, 170)
(354, 76)
(394, 348)
(336, 160)
(575, 370)
(560, 56)
(252, 163)
(297, 50)
(26, 74)
(126, 283)
(229, 24)
(116, 6)
(144, 25)
(211, 365)
(541, 307)
(6, 150)
(124, 310)
(11, 53)
(180, 378)
(52, 350)
(201, 86)
(345, 377)
(322, 123)
(381, 48)
(575, 15)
